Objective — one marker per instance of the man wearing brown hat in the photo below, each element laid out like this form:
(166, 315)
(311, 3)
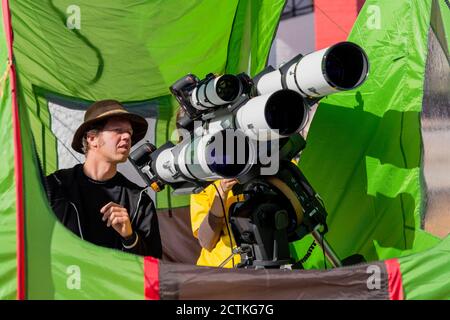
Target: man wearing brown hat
(95, 201)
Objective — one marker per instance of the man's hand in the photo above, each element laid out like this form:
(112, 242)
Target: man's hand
(117, 217)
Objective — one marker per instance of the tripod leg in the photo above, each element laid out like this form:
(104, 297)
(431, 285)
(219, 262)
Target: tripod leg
(235, 252)
(329, 252)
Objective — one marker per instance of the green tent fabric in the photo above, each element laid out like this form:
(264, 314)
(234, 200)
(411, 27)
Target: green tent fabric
(364, 146)
(425, 274)
(8, 270)
(130, 53)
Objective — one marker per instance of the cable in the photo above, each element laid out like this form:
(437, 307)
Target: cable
(226, 222)
(308, 253)
(323, 236)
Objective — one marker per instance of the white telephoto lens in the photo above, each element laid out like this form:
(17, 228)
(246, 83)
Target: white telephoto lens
(216, 92)
(341, 67)
(272, 116)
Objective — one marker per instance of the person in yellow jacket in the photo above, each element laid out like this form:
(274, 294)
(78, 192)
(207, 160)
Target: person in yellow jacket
(210, 226)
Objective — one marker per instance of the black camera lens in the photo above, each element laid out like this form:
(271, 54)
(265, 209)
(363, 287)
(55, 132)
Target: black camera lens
(141, 155)
(228, 154)
(228, 87)
(346, 66)
(285, 111)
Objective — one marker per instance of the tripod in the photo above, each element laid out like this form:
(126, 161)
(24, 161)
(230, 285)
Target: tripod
(275, 211)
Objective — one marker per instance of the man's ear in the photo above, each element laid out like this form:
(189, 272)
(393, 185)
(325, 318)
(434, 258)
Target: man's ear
(92, 140)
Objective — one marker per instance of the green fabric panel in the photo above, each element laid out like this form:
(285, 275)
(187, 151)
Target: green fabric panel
(423, 241)
(266, 19)
(363, 153)
(442, 13)
(254, 27)
(133, 52)
(426, 275)
(130, 53)
(8, 261)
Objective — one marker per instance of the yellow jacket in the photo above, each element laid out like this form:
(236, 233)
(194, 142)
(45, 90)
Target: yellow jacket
(200, 206)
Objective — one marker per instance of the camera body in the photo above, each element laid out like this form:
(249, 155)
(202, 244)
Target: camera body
(198, 97)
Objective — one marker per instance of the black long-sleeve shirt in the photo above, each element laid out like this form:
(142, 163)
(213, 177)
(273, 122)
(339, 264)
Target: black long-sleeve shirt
(76, 200)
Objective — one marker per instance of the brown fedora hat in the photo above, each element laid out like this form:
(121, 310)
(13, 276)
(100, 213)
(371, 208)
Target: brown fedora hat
(105, 109)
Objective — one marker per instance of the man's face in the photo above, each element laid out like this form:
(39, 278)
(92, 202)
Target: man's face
(113, 143)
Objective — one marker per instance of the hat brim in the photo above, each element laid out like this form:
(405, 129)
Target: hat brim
(138, 123)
